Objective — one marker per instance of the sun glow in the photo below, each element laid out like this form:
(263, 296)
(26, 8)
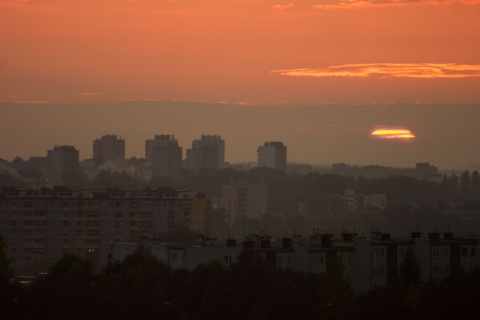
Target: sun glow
(393, 134)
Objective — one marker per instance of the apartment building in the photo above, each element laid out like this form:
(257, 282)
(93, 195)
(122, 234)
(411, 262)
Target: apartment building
(206, 152)
(163, 157)
(108, 148)
(248, 197)
(355, 199)
(366, 262)
(272, 155)
(61, 160)
(39, 226)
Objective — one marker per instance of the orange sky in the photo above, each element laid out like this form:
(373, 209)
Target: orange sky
(238, 51)
(219, 50)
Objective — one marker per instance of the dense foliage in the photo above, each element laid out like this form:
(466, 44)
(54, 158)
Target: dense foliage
(141, 287)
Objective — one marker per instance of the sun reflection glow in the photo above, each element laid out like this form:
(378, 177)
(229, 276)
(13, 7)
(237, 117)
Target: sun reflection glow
(393, 134)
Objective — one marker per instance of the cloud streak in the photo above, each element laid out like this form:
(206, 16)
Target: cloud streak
(388, 70)
(31, 102)
(364, 4)
(282, 7)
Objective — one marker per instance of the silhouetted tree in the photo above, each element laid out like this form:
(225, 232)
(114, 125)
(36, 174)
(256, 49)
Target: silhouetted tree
(465, 185)
(409, 270)
(335, 296)
(475, 184)
(64, 293)
(6, 270)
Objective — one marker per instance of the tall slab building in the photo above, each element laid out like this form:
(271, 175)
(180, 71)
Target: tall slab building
(61, 160)
(163, 155)
(207, 152)
(272, 155)
(108, 147)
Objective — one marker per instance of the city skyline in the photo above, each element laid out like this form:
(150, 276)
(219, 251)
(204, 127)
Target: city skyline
(316, 134)
(319, 75)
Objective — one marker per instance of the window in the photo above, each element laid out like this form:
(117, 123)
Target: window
(227, 260)
(435, 271)
(436, 252)
(379, 252)
(378, 271)
(173, 256)
(472, 252)
(464, 252)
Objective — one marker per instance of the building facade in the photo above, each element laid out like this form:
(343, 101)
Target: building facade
(163, 156)
(60, 161)
(108, 148)
(244, 197)
(356, 200)
(207, 152)
(366, 262)
(272, 155)
(40, 226)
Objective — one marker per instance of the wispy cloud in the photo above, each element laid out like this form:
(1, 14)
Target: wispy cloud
(388, 70)
(239, 103)
(31, 102)
(361, 4)
(89, 94)
(13, 2)
(283, 6)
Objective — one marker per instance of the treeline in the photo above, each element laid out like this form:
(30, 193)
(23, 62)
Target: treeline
(287, 191)
(141, 287)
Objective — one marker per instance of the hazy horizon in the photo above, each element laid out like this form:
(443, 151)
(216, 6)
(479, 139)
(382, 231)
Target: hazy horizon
(446, 135)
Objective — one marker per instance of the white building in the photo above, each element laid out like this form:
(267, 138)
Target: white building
(272, 155)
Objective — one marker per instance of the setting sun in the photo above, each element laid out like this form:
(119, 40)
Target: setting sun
(393, 134)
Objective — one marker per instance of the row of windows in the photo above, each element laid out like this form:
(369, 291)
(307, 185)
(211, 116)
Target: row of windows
(280, 260)
(96, 204)
(437, 271)
(465, 252)
(378, 252)
(438, 252)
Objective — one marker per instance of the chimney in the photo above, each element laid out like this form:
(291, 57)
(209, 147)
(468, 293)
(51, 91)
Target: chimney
(385, 236)
(416, 235)
(434, 236)
(265, 243)
(286, 242)
(231, 243)
(448, 235)
(248, 244)
(348, 237)
(327, 240)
